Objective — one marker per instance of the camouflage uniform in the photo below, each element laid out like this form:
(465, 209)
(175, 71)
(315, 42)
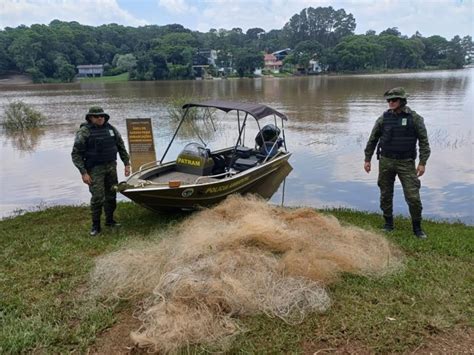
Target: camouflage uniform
(389, 167)
(103, 175)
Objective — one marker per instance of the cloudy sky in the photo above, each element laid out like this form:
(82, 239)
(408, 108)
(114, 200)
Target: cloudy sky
(442, 17)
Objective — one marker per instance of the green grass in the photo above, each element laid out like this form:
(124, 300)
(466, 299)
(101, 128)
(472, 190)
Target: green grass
(106, 79)
(45, 258)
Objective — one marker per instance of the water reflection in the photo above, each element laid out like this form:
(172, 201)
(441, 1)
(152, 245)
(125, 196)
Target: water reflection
(272, 183)
(330, 121)
(25, 140)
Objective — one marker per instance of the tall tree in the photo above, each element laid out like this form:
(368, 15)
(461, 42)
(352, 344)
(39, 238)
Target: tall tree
(323, 24)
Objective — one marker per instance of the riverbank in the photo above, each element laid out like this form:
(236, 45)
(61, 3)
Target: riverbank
(47, 256)
(19, 79)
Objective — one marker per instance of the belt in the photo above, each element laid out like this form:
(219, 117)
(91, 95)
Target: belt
(406, 155)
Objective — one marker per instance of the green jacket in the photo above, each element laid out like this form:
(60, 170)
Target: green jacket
(422, 135)
(80, 144)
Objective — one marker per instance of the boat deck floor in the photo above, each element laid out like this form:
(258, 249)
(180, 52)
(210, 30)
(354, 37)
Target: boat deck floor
(185, 178)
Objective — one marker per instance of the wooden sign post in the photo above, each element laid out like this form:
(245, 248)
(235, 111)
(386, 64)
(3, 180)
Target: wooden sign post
(140, 141)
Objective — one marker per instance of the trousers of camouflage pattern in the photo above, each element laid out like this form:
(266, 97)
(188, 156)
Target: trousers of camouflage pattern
(104, 177)
(406, 171)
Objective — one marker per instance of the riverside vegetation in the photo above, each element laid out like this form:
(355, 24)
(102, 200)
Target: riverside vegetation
(45, 266)
(20, 116)
(50, 53)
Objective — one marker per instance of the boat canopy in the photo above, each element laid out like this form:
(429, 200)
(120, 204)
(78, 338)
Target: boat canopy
(256, 110)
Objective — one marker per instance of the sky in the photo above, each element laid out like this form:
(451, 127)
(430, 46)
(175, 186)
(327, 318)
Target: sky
(446, 18)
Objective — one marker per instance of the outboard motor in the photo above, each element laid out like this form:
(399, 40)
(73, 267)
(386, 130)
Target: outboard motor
(268, 141)
(195, 159)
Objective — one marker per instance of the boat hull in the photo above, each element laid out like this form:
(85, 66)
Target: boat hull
(192, 196)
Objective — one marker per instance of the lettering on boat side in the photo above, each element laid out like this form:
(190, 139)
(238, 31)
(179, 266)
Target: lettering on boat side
(211, 190)
(186, 161)
(187, 192)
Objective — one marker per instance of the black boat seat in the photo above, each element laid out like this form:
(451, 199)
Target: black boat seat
(242, 164)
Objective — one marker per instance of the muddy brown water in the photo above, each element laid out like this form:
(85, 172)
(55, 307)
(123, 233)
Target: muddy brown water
(330, 120)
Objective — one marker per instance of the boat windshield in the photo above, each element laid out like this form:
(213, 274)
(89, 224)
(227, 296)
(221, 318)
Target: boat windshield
(196, 149)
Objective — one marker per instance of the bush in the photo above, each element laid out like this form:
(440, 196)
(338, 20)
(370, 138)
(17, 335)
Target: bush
(19, 116)
(198, 124)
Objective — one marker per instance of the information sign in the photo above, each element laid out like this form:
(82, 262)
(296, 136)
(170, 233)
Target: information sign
(140, 141)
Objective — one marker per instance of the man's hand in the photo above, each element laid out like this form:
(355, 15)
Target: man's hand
(86, 179)
(420, 170)
(127, 170)
(367, 166)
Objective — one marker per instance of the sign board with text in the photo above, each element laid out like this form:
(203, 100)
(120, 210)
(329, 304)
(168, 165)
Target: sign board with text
(140, 141)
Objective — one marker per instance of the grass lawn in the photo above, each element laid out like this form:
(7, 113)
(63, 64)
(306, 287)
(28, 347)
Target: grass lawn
(106, 79)
(45, 258)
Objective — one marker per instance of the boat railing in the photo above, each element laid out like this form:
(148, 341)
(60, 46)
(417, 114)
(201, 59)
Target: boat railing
(150, 163)
(231, 172)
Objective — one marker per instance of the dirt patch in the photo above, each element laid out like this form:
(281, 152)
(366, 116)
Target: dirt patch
(116, 340)
(16, 79)
(458, 341)
(351, 347)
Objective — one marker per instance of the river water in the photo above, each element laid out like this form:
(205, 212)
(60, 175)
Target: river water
(330, 119)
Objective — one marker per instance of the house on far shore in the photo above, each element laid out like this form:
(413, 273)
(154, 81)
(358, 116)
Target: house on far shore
(315, 67)
(202, 59)
(272, 63)
(90, 70)
(282, 53)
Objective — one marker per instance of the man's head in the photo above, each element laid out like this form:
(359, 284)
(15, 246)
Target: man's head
(396, 98)
(97, 116)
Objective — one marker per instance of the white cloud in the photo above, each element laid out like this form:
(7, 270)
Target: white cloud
(444, 17)
(177, 6)
(90, 12)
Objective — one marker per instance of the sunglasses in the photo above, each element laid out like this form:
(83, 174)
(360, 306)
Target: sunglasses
(392, 100)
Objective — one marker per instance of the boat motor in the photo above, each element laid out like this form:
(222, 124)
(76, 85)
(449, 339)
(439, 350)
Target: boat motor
(195, 159)
(268, 140)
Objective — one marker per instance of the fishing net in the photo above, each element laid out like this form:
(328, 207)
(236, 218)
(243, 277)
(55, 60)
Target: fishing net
(242, 257)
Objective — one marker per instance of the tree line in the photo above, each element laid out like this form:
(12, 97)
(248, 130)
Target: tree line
(52, 52)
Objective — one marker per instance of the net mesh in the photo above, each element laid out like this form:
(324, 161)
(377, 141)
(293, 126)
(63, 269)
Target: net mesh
(242, 257)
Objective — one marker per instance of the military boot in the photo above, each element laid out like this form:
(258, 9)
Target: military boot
(95, 230)
(417, 231)
(110, 222)
(388, 226)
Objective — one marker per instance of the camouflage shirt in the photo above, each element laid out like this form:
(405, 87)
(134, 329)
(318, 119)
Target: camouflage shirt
(421, 135)
(80, 146)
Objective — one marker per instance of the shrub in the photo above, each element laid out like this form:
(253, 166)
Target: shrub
(198, 124)
(19, 116)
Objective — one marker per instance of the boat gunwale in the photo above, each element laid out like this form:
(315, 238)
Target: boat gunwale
(151, 187)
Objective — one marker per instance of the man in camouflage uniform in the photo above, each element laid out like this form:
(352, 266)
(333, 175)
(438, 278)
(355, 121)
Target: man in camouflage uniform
(95, 155)
(396, 133)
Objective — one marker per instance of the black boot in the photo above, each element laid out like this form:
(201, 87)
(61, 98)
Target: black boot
(95, 230)
(417, 231)
(388, 226)
(110, 222)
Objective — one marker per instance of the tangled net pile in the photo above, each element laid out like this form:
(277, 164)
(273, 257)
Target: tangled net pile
(242, 257)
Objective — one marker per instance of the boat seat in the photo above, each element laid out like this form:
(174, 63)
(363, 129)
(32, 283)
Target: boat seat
(242, 164)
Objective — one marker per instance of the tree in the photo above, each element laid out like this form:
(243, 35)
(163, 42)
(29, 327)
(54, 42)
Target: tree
(305, 51)
(246, 62)
(126, 62)
(323, 24)
(393, 31)
(254, 33)
(64, 70)
(358, 52)
(150, 66)
(455, 56)
(435, 51)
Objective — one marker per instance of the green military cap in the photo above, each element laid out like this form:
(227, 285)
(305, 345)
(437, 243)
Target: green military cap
(396, 93)
(96, 111)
